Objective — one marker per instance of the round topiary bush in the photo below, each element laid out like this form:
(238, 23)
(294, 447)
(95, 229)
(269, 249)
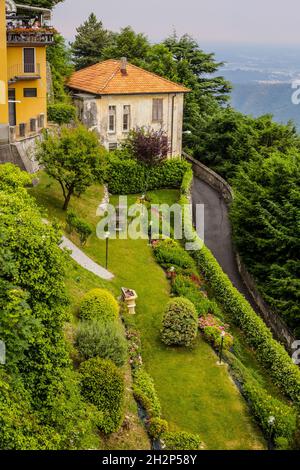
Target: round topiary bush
(103, 339)
(102, 384)
(99, 304)
(180, 323)
(157, 427)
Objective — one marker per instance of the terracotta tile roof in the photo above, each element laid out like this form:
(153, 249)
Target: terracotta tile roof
(106, 78)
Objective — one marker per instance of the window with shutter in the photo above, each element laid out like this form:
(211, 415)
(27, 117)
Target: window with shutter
(157, 111)
(126, 118)
(112, 119)
(29, 59)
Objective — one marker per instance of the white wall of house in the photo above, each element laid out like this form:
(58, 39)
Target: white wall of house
(94, 112)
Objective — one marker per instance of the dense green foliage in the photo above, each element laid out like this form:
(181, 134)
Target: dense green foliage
(81, 227)
(228, 139)
(169, 253)
(102, 384)
(265, 216)
(61, 113)
(125, 175)
(89, 43)
(99, 304)
(157, 427)
(105, 340)
(181, 440)
(263, 406)
(145, 394)
(73, 157)
(59, 59)
(40, 403)
(180, 323)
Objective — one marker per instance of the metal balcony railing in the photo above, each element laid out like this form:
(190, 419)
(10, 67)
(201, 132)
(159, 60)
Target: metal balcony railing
(30, 36)
(20, 72)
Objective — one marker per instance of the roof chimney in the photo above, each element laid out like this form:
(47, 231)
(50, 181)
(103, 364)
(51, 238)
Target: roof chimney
(124, 65)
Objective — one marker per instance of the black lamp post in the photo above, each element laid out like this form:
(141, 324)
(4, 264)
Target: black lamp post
(271, 423)
(107, 234)
(150, 232)
(222, 345)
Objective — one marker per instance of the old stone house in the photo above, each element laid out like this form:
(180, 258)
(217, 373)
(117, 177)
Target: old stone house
(114, 96)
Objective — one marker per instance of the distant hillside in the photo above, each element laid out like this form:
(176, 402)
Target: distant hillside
(258, 98)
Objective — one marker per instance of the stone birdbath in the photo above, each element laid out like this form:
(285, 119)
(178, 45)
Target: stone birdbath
(129, 296)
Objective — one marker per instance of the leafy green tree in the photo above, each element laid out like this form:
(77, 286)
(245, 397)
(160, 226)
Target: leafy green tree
(90, 42)
(73, 158)
(229, 138)
(265, 216)
(197, 70)
(59, 58)
(127, 43)
(40, 402)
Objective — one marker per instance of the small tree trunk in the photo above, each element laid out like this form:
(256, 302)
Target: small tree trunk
(67, 200)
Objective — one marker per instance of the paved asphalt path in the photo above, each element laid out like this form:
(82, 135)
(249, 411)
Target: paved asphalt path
(217, 233)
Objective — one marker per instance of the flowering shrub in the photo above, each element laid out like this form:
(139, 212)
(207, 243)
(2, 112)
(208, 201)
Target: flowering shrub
(212, 328)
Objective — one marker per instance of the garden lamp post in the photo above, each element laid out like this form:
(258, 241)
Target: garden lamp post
(222, 345)
(271, 423)
(107, 234)
(150, 232)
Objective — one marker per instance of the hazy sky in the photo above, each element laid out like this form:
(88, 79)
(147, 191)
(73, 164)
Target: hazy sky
(237, 21)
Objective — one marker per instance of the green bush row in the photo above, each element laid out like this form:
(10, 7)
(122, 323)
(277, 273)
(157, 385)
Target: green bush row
(127, 176)
(169, 253)
(61, 113)
(82, 228)
(269, 352)
(181, 440)
(145, 393)
(263, 405)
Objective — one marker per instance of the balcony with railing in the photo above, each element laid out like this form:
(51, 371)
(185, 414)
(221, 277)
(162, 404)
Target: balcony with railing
(21, 72)
(30, 37)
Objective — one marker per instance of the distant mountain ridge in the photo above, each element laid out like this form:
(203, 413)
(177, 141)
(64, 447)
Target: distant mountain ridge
(262, 78)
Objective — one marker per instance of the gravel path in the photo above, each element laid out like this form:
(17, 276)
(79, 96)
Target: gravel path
(83, 260)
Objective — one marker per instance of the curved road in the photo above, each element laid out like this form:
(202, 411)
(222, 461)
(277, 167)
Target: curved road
(217, 233)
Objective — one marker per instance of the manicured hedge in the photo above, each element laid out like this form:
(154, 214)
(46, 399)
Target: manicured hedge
(269, 352)
(99, 304)
(61, 113)
(127, 176)
(145, 393)
(263, 406)
(169, 253)
(181, 441)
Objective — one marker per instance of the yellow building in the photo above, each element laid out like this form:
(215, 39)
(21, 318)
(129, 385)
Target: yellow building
(24, 35)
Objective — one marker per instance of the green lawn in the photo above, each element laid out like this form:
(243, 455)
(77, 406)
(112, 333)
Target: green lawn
(196, 394)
